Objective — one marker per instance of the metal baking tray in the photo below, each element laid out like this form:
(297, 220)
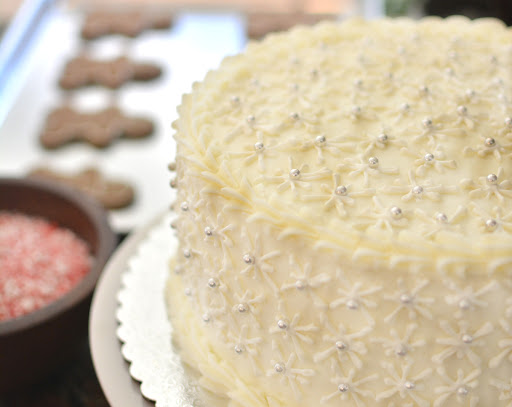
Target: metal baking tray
(45, 34)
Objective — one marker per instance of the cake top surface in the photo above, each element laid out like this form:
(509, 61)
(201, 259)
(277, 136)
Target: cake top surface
(385, 138)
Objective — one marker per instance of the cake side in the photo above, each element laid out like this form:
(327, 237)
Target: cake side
(344, 204)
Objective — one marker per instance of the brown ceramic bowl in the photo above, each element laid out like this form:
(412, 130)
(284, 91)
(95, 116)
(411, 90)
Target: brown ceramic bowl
(34, 345)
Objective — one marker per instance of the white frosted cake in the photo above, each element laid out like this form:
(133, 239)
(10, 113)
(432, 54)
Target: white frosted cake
(345, 218)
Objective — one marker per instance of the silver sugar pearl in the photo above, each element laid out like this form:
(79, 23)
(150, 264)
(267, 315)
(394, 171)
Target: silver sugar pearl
(206, 317)
(184, 206)
(258, 146)
(424, 90)
(358, 83)
(409, 385)
(300, 285)
(320, 140)
(491, 224)
(396, 212)
(250, 119)
(427, 122)
(462, 391)
(467, 339)
(188, 292)
(341, 190)
(508, 122)
(429, 157)
(208, 231)
(343, 387)
(492, 179)
(464, 304)
(405, 107)
(373, 162)
(382, 138)
(174, 183)
(405, 299)
(248, 259)
(340, 345)
(401, 350)
(470, 93)
(352, 304)
(187, 253)
(212, 283)
(314, 73)
(294, 173)
(294, 116)
(241, 308)
(279, 367)
(490, 142)
(417, 190)
(281, 324)
(462, 110)
(449, 71)
(356, 110)
(238, 349)
(235, 100)
(441, 218)
(171, 166)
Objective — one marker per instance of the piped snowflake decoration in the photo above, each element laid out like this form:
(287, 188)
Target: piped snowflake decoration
(292, 331)
(491, 146)
(333, 145)
(489, 186)
(505, 390)
(382, 217)
(400, 346)
(410, 301)
(493, 220)
(244, 345)
(440, 222)
(460, 343)
(404, 384)
(459, 390)
(433, 133)
(467, 299)
(365, 167)
(289, 374)
(504, 344)
(348, 388)
(430, 159)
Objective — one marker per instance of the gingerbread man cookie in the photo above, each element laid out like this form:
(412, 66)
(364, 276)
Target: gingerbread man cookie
(82, 71)
(65, 125)
(112, 194)
(127, 23)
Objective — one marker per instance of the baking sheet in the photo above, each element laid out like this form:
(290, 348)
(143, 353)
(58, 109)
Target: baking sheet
(196, 42)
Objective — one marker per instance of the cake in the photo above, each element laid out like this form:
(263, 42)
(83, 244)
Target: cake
(344, 217)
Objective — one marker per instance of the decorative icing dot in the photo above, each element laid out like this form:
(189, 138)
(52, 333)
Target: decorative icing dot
(294, 173)
(424, 90)
(382, 138)
(343, 387)
(238, 349)
(470, 93)
(188, 292)
(429, 157)
(352, 304)
(187, 253)
(491, 224)
(172, 166)
(212, 283)
(401, 350)
(490, 142)
(417, 190)
(258, 146)
(341, 190)
(462, 391)
(340, 345)
(281, 324)
(373, 162)
(300, 285)
(492, 179)
(441, 218)
(235, 100)
(356, 110)
(248, 259)
(508, 122)
(174, 183)
(409, 385)
(208, 231)
(184, 206)
(427, 122)
(241, 308)
(206, 317)
(250, 119)
(396, 212)
(178, 269)
(279, 367)
(467, 338)
(358, 83)
(405, 107)
(320, 140)
(462, 110)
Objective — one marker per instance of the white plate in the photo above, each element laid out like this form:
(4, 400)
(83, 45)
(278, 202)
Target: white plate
(129, 304)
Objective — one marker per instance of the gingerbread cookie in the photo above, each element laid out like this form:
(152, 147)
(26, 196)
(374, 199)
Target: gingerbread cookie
(127, 23)
(112, 194)
(82, 71)
(65, 125)
(260, 24)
